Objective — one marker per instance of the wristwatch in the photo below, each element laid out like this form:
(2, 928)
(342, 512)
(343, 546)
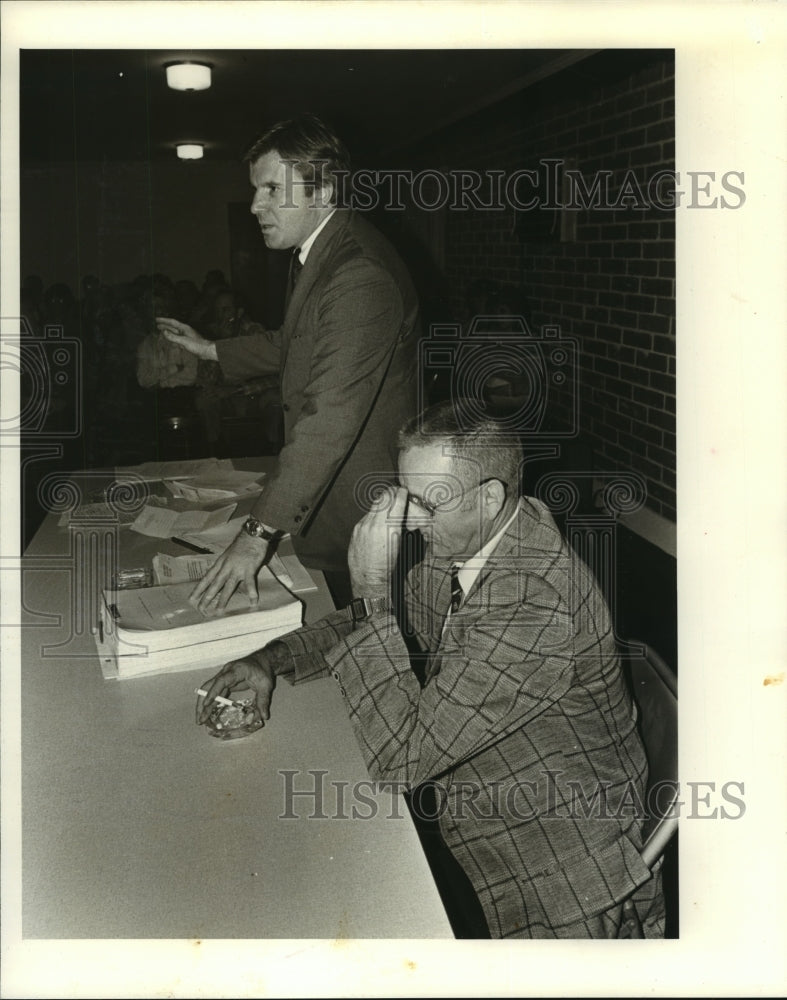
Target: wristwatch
(257, 529)
(362, 608)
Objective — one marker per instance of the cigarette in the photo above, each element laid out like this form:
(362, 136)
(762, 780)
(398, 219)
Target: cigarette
(218, 698)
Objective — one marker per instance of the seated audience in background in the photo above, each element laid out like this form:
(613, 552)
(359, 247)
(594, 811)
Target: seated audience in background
(88, 285)
(227, 317)
(186, 296)
(217, 400)
(159, 361)
(212, 284)
(123, 356)
(521, 720)
(164, 364)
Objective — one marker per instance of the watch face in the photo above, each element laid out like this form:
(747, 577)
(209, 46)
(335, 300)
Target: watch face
(257, 529)
(358, 609)
(362, 607)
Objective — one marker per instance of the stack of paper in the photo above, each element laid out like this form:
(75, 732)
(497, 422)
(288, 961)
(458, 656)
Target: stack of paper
(158, 630)
(181, 569)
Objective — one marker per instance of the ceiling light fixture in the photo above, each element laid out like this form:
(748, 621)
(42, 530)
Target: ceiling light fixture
(190, 150)
(188, 76)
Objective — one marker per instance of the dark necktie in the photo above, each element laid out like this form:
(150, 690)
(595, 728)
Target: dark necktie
(295, 269)
(456, 589)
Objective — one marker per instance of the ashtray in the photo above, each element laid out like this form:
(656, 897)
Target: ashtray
(233, 721)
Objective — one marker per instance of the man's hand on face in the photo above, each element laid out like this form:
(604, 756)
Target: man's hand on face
(254, 673)
(238, 566)
(374, 547)
(187, 338)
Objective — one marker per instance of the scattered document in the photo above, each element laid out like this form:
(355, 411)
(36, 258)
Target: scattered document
(216, 538)
(220, 485)
(180, 569)
(158, 522)
(277, 566)
(96, 512)
(103, 511)
(295, 572)
(152, 472)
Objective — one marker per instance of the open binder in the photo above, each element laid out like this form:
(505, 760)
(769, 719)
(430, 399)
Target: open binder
(156, 630)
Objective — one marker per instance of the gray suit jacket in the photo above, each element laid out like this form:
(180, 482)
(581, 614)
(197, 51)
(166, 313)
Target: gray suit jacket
(346, 354)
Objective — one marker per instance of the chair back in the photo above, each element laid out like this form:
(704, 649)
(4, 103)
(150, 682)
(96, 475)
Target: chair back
(654, 687)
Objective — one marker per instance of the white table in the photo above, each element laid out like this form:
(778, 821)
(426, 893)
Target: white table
(138, 824)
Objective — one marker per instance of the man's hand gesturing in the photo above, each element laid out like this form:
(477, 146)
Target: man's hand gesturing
(187, 338)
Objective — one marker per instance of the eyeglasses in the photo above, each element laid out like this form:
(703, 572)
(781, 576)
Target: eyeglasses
(430, 509)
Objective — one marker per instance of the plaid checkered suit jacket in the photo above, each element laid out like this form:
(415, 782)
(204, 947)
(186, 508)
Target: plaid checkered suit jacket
(524, 721)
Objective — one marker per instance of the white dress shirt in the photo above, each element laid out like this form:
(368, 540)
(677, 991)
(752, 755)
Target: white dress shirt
(307, 243)
(470, 569)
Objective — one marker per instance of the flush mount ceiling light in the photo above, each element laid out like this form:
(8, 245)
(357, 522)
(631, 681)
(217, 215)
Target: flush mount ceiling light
(188, 76)
(190, 150)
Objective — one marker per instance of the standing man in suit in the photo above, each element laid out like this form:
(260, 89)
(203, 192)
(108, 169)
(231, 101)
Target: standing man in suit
(346, 355)
(523, 723)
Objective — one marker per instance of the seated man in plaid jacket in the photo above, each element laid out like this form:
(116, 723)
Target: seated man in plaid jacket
(521, 720)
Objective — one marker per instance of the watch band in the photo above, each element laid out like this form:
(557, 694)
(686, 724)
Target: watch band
(362, 608)
(257, 529)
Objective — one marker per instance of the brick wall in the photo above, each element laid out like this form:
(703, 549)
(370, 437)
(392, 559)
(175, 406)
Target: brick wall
(611, 284)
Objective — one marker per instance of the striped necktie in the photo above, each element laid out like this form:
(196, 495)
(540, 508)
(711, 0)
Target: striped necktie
(456, 588)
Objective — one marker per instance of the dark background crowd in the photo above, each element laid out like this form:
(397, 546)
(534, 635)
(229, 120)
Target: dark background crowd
(131, 413)
(128, 416)
(129, 410)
